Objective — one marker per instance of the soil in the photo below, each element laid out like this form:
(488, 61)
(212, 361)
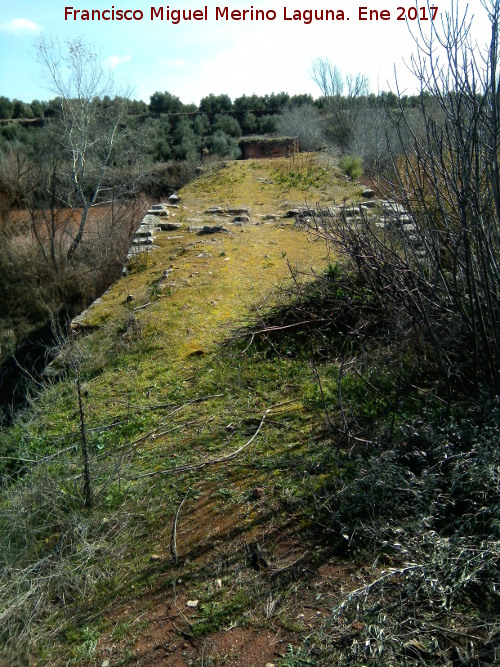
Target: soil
(161, 625)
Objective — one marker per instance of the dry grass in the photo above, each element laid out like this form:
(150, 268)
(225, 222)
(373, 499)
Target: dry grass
(274, 185)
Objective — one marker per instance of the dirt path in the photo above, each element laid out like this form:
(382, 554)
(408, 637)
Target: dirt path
(218, 607)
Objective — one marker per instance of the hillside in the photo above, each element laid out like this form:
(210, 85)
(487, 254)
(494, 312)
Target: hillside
(231, 520)
(160, 390)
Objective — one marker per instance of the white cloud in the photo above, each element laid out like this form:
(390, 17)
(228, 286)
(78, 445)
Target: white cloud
(284, 57)
(114, 61)
(21, 27)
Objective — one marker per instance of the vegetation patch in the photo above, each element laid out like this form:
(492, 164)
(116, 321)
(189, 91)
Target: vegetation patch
(152, 413)
(269, 447)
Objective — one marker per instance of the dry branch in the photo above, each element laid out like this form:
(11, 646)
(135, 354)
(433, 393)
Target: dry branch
(173, 537)
(203, 464)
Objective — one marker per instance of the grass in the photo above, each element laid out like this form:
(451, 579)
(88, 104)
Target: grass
(174, 374)
(262, 184)
(154, 345)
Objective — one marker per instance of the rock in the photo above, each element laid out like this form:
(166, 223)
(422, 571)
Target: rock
(241, 219)
(105, 663)
(174, 198)
(147, 226)
(154, 558)
(409, 228)
(162, 212)
(349, 211)
(327, 212)
(271, 216)
(159, 209)
(293, 213)
(369, 204)
(216, 229)
(192, 603)
(169, 226)
(142, 241)
(391, 207)
(215, 210)
(368, 193)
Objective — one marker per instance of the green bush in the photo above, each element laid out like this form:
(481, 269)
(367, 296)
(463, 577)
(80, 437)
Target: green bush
(352, 166)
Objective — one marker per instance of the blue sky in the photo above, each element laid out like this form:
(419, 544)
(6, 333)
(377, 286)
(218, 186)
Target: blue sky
(193, 59)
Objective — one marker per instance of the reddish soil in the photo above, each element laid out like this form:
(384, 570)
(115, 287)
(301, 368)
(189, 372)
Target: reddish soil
(160, 624)
(163, 623)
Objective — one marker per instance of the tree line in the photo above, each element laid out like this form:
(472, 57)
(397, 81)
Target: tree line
(172, 130)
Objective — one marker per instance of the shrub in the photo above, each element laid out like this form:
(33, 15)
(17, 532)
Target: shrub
(351, 166)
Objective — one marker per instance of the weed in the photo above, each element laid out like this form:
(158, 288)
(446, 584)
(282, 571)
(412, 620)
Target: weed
(121, 630)
(312, 176)
(296, 657)
(83, 641)
(352, 166)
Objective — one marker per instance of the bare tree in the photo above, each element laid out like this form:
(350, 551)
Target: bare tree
(340, 98)
(81, 167)
(448, 176)
(444, 271)
(304, 122)
(87, 127)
